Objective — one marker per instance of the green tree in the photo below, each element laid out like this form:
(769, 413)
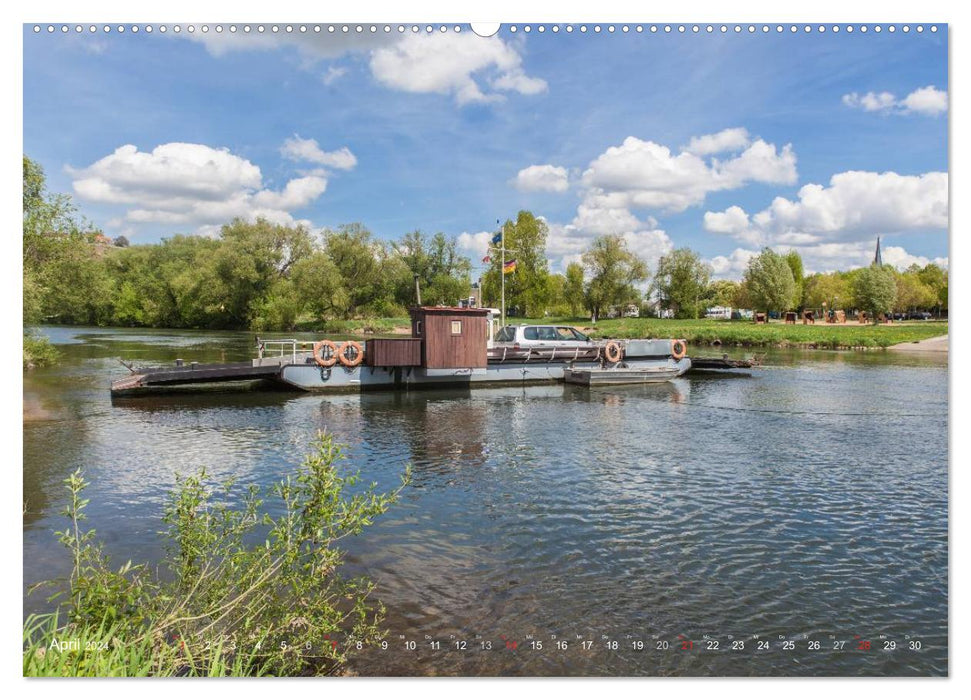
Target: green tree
(912, 293)
(875, 289)
(176, 282)
(279, 308)
(50, 220)
(722, 293)
(64, 278)
(413, 251)
(253, 257)
(559, 304)
(824, 291)
(450, 272)
(614, 271)
(682, 281)
(527, 289)
(742, 298)
(318, 281)
(769, 281)
(573, 288)
(361, 262)
(794, 261)
(936, 278)
(444, 274)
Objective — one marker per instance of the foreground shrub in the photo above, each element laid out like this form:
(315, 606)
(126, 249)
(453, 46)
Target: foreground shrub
(38, 351)
(241, 591)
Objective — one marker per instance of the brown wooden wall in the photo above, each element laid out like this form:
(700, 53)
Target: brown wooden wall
(443, 349)
(393, 352)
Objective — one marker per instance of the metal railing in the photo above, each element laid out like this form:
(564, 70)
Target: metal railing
(278, 348)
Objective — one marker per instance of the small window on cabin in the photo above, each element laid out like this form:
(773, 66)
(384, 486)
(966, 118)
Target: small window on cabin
(531, 333)
(456, 328)
(418, 328)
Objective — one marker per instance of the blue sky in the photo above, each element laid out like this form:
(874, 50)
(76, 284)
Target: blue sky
(721, 142)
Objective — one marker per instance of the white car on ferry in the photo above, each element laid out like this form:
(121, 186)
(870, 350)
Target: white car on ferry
(528, 335)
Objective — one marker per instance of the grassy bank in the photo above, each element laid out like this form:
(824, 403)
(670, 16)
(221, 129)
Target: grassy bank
(703, 331)
(775, 334)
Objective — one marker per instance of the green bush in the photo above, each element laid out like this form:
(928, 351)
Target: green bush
(38, 351)
(240, 591)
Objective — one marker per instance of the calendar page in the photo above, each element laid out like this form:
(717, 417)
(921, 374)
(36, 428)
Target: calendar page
(534, 349)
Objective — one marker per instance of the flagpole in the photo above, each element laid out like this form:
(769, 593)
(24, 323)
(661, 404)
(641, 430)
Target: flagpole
(502, 273)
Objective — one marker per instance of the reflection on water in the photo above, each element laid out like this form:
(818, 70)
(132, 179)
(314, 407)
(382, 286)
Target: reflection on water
(805, 498)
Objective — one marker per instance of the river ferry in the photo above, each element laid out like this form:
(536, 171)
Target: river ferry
(448, 346)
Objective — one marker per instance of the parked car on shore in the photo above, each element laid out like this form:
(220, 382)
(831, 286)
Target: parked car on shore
(920, 316)
(525, 336)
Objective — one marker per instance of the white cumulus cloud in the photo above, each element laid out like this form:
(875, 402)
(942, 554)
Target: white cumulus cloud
(727, 140)
(901, 259)
(828, 257)
(926, 100)
(733, 221)
(308, 150)
(542, 178)
(856, 206)
(192, 185)
(823, 257)
(642, 174)
(476, 243)
(645, 175)
(731, 266)
(469, 67)
(871, 101)
(567, 242)
(453, 64)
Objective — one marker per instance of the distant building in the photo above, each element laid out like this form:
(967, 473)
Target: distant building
(724, 312)
(878, 259)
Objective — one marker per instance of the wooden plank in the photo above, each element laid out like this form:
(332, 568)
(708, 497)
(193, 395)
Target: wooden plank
(393, 352)
(202, 373)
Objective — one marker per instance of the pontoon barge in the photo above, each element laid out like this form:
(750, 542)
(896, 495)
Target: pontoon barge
(448, 347)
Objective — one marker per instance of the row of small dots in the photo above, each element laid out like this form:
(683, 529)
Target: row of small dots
(373, 29)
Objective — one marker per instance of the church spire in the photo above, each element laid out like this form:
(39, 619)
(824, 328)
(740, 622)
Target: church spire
(878, 259)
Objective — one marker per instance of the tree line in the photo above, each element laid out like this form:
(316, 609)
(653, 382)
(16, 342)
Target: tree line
(256, 275)
(265, 276)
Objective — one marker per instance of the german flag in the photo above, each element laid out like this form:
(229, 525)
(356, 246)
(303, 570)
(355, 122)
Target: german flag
(510, 266)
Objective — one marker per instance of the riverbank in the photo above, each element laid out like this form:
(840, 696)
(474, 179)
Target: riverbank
(936, 346)
(776, 334)
(699, 332)
(711, 332)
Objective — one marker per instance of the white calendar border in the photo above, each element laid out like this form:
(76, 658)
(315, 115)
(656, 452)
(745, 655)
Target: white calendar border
(763, 11)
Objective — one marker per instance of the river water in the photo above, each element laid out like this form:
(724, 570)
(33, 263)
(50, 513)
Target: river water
(722, 524)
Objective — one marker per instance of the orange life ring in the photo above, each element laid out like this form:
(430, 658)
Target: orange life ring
(613, 351)
(679, 349)
(319, 358)
(358, 357)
